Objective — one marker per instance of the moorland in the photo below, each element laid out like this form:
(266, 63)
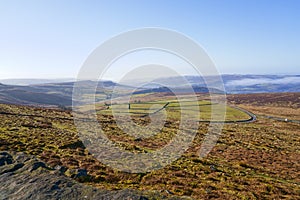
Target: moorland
(256, 160)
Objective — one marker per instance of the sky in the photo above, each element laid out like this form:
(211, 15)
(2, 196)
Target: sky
(52, 39)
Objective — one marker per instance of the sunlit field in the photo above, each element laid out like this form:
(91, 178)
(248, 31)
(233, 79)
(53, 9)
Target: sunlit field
(195, 110)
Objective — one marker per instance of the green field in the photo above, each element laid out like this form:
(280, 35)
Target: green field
(175, 110)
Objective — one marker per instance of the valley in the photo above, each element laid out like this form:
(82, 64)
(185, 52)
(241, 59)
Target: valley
(249, 161)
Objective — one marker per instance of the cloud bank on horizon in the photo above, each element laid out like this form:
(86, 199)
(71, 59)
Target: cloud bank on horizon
(258, 81)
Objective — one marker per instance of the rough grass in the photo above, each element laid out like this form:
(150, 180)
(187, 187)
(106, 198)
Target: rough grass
(250, 161)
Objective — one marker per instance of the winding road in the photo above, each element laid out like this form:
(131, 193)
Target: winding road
(280, 119)
(252, 116)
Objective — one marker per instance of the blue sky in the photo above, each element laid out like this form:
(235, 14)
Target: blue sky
(52, 39)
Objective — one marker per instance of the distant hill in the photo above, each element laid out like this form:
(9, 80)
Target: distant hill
(28, 95)
(60, 94)
(195, 89)
(239, 84)
(50, 94)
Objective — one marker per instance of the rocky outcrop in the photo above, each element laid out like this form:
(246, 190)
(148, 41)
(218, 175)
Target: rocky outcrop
(26, 177)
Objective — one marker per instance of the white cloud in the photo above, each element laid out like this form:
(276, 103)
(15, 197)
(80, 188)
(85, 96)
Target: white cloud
(252, 81)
